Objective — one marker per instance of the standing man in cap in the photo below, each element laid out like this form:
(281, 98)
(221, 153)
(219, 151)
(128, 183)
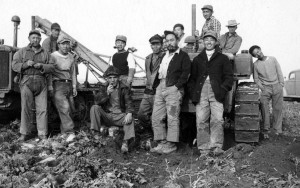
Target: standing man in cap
(113, 107)
(32, 63)
(50, 43)
(64, 82)
(152, 63)
(124, 61)
(211, 23)
(230, 42)
(268, 76)
(210, 79)
(172, 76)
(178, 29)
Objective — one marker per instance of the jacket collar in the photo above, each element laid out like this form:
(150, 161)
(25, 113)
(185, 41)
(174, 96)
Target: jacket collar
(204, 55)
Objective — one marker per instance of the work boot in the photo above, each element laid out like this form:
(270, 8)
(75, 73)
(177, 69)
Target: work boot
(124, 148)
(169, 147)
(23, 138)
(158, 148)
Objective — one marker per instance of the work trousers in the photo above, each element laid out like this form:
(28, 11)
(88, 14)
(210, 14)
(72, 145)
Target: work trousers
(34, 104)
(167, 103)
(99, 116)
(274, 92)
(62, 92)
(209, 119)
(145, 110)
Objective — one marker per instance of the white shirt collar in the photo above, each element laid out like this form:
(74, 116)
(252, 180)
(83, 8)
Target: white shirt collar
(176, 52)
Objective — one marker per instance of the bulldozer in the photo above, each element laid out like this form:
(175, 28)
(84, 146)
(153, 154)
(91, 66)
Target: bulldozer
(242, 106)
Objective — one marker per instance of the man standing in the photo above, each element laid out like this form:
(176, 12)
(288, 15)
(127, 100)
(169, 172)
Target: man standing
(123, 61)
(113, 107)
(268, 76)
(172, 75)
(64, 82)
(210, 79)
(211, 23)
(50, 43)
(32, 63)
(178, 29)
(152, 63)
(230, 42)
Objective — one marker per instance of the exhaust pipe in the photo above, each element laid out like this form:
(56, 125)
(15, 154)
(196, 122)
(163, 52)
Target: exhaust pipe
(16, 21)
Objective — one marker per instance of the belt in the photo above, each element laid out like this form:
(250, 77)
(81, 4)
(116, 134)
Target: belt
(64, 81)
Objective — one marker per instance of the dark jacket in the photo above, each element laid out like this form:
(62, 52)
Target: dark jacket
(151, 74)
(178, 71)
(220, 74)
(102, 99)
(50, 44)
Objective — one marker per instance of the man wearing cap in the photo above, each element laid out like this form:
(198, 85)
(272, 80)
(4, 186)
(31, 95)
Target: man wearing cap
(190, 44)
(152, 63)
(210, 79)
(178, 29)
(50, 43)
(113, 106)
(211, 22)
(268, 76)
(64, 82)
(230, 42)
(172, 76)
(31, 63)
(123, 60)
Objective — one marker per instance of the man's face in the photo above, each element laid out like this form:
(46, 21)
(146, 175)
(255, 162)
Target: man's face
(34, 40)
(232, 29)
(64, 47)
(113, 80)
(172, 43)
(209, 43)
(178, 31)
(156, 47)
(120, 45)
(207, 13)
(258, 53)
(165, 45)
(55, 33)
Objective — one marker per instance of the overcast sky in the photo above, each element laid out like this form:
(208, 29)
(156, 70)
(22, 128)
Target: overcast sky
(272, 24)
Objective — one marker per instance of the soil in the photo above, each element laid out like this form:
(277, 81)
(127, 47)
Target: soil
(96, 161)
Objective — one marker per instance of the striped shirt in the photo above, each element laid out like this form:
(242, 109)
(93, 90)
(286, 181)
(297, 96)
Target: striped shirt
(211, 24)
(230, 43)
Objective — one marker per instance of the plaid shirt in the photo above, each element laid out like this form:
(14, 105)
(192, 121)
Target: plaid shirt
(230, 43)
(212, 24)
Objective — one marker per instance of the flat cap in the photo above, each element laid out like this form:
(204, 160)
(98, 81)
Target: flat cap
(211, 33)
(190, 39)
(122, 38)
(62, 39)
(178, 25)
(34, 32)
(170, 32)
(55, 26)
(209, 7)
(111, 70)
(156, 39)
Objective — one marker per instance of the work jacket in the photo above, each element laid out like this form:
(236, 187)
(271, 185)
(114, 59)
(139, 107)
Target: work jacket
(102, 98)
(178, 71)
(219, 70)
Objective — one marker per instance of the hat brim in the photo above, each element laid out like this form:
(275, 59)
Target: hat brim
(155, 41)
(35, 33)
(207, 9)
(233, 25)
(121, 40)
(63, 41)
(210, 36)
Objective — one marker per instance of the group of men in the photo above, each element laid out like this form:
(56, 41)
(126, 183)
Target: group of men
(170, 75)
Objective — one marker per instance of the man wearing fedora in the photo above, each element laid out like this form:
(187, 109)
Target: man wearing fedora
(230, 42)
(210, 79)
(211, 23)
(123, 60)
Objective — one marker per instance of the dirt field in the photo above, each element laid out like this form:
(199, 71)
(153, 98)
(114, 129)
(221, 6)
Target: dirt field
(96, 161)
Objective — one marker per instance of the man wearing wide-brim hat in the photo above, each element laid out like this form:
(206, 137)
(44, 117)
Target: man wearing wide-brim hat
(113, 106)
(230, 42)
(211, 23)
(210, 79)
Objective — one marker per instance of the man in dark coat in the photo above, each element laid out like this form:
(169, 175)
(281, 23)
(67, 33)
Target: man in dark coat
(113, 106)
(211, 77)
